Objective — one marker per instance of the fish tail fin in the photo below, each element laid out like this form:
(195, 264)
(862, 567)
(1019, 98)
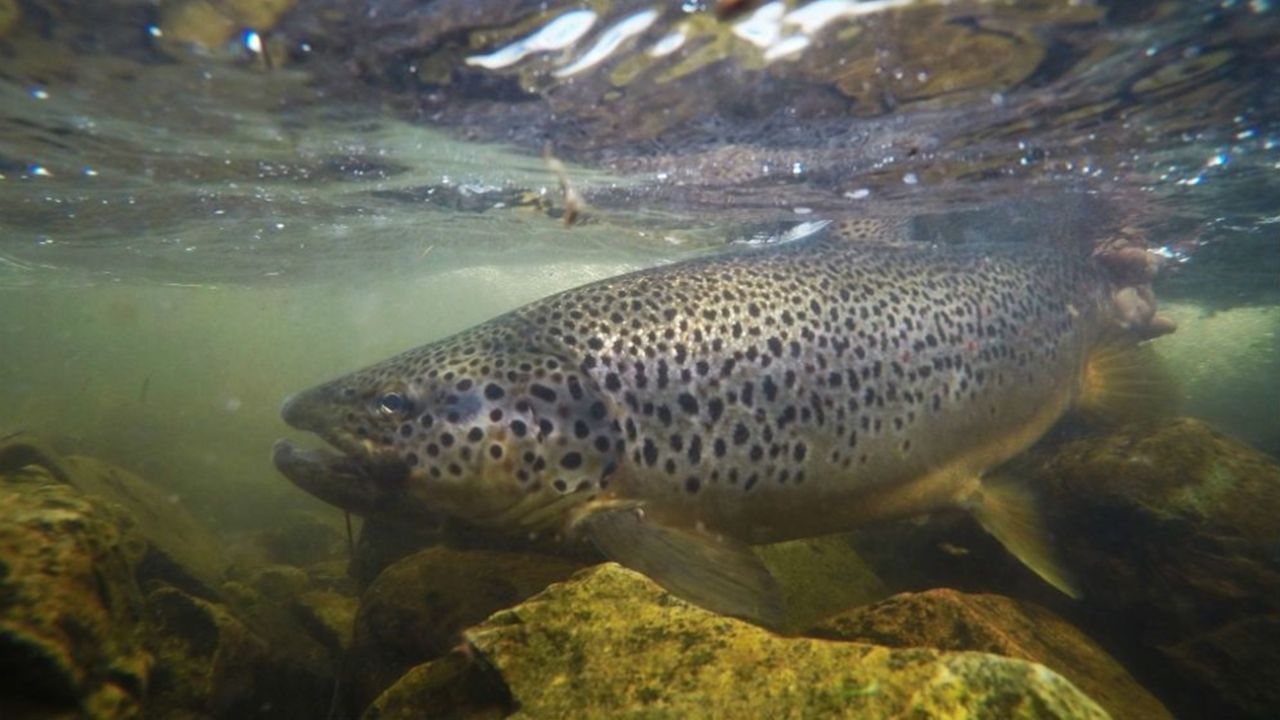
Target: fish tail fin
(719, 574)
(1008, 510)
(1125, 381)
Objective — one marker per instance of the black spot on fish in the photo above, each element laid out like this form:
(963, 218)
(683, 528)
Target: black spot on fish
(650, 452)
(688, 403)
(493, 391)
(571, 461)
(542, 392)
(715, 408)
(475, 435)
(692, 485)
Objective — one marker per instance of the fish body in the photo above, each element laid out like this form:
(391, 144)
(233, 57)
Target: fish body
(682, 413)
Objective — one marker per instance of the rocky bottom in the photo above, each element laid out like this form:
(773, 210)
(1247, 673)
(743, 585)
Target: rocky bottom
(116, 603)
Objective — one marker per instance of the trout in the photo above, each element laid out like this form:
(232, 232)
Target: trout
(679, 415)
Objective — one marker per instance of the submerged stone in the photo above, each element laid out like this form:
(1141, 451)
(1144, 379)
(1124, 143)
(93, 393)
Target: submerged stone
(611, 643)
(417, 608)
(950, 620)
(70, 609)
(179, 550)
(1173, 531)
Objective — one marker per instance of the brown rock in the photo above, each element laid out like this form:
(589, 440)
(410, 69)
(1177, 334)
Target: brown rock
(1172, 530)
(417, 608)
(216, 661)
(70, 609)
(950, 620)
(180, 551)
(611, 643)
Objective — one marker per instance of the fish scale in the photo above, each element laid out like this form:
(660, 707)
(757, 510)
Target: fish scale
(745, 398)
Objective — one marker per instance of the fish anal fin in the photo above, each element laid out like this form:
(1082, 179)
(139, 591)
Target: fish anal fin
(716, 573)
(1008, 510)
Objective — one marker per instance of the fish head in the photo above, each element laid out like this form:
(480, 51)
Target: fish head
(485, 430)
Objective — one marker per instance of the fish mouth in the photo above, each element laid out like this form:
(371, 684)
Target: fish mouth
(355, 480)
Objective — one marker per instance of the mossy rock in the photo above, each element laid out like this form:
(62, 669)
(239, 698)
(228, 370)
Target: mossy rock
(1173, 530)
(950, 620)
(70, 610)
(180, 551)
(417, 609)
(611, 643)
(213, 661)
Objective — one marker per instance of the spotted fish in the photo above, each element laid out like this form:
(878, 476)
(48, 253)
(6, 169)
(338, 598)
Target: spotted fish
(679, 415)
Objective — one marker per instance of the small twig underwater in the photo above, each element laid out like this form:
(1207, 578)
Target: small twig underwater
(573, 202)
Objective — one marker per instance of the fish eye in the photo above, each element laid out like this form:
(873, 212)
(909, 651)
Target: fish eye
(393, 403)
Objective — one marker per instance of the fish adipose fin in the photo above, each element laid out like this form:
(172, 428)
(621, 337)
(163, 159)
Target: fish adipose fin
(1126, 381)
(719, 574)
(1008, 510)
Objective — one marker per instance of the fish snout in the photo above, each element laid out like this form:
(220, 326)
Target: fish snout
(303, 410)
(291, 411)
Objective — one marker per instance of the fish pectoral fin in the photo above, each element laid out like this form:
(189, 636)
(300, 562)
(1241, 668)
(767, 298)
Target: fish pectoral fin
(1008, 510)
(1126, 381)
(719, 574)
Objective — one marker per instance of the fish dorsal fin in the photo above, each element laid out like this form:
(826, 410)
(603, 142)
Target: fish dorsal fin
(717, 573)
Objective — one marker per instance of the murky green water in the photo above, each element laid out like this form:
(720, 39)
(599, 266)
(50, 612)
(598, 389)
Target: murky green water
(206, 206)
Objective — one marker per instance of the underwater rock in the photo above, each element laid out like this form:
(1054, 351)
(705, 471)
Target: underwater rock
(417, 608)
(382, 542)
(950, 620)
(820, 576)
(302, 538)
(180, 551)
(279, 582)
(70, 609)
(611, 643)
(1173, 530)
(1236, 661)
(328, 617)
(213, 662)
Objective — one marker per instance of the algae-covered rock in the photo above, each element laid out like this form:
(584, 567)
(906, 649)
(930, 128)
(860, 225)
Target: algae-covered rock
(1172, 523)
(327, 616)
(207, 660)
(213, 661)
(70, 642)
(416, 609)
(302, 538)
(611, 643)
(950, 620)
(820, 576)
(180, 551)
(1172, 530)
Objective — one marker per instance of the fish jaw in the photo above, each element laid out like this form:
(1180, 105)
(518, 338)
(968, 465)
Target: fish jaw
(345, 481)
(353, 475)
